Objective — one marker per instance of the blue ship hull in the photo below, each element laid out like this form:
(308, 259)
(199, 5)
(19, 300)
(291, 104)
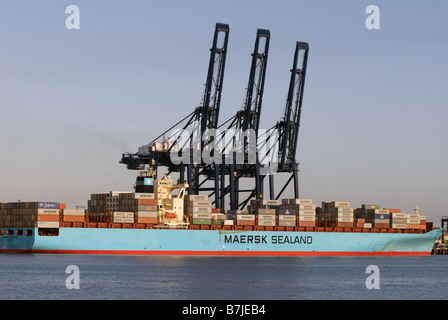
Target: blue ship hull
(215, 242)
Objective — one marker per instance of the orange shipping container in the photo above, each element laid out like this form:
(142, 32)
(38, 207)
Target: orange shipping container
(73, 218)
(151, 202)
(147, 220)
(47, 217)
(393, 210)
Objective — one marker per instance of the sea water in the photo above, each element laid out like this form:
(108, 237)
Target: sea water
(104, 277)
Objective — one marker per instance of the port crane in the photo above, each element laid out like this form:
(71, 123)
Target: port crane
(227, 174)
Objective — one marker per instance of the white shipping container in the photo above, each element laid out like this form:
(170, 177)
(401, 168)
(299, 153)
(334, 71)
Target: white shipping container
(245, 217)
(345, 214)
(202, 215)
(144, 196)
(128, 220)
(266, 217)
(338, 204)
(367, 225)
(48, 224)
(307, 218)
(307, 213)
(413, 216)
(118, 214)
(117, 220)
(399, 215)
(399, 225)
(300, 201)
(146, 214)
(264, 223)
(228, 222)
(73, 212)
(413, 221)
(307, 207)
(285, 217)
(198, 209)
(48, 211)
(196, 197)
(128, 215)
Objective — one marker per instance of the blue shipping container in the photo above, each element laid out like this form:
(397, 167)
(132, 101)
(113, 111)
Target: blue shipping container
(48, 205)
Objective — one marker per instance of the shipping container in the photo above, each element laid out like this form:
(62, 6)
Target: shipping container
(307, 218)
(48, 211)
(245, 222)
(146, 214)
(48, 205)
(266, 211)
(198, 209)
(265, 223)
(195, 197)
(150, 220)
(307, 223)
(245, 217)
(73, 218)
(370, 206)
(399, 225)
(47, 217)
(266, 217)
(145, 208)
(48, 224)
(287, 211)
(287, 223)
(73, 212)
(307, 213)
(202, 215)
(285, 217)
(201, 221)
(189, 203)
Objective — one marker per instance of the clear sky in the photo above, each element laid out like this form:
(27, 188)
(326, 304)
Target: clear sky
(375, 105)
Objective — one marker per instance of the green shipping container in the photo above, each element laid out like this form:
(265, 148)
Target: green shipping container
(201, 221)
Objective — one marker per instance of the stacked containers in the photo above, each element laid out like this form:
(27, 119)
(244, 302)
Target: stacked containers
(413, 221)
(30, 214)
(266, 217)
(73, 215)
(122, 217)
(305, 210)
(264, 211)
(337, 213)
(138, 207)
(398, 220)
(374, 215)
(198, 209)
(218, 218)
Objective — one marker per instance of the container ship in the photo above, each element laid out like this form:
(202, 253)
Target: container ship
(165, 221)
(160, 217)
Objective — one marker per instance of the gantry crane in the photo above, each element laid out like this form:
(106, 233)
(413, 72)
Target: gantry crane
(227, 173)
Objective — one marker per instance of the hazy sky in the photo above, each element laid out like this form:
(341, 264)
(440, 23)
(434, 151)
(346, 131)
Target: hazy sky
(375, 106)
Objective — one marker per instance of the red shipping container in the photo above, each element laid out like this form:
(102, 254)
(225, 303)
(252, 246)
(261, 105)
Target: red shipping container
(345, 224)
(246, 222)
(151, 202)
(62, 206)
(381, 225)
(214, 210)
